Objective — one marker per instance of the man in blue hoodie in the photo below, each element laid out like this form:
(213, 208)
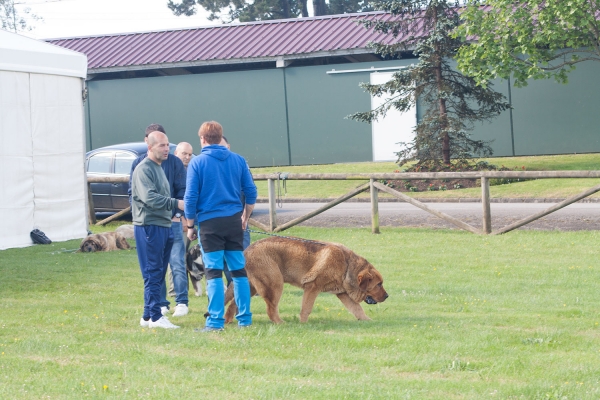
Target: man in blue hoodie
(215, 182)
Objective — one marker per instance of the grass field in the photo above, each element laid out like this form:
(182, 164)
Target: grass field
(469, 317)
(543, 188)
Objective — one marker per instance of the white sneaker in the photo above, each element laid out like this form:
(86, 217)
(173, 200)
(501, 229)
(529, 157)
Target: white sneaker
(144, 323)
(164, 310)
(163, 322)
(180, 310)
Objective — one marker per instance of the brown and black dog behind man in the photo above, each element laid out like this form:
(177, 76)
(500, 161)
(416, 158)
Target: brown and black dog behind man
(315, 267)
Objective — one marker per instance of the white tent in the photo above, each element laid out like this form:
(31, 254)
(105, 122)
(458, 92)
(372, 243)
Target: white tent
(42, 141)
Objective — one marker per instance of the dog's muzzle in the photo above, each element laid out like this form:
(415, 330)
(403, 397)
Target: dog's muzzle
(370, 300)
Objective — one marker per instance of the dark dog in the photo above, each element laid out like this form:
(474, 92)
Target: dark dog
(106, 241)
(195, 268)
(315, 267)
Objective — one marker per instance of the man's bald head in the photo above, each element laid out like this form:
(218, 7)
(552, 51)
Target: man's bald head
(158, 146)
(184, 152)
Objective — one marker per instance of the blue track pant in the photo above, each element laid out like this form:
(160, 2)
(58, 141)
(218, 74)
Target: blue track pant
(153, 244)
(222, 239)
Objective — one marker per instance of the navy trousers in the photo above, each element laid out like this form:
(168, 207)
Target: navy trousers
(153, 245)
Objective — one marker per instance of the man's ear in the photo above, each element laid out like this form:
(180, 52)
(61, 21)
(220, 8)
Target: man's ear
(364, 278)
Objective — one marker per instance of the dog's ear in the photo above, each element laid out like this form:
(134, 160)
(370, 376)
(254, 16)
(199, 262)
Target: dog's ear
(122, 242)
(364, 277)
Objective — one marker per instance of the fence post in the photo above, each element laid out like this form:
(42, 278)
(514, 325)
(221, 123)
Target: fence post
(91, 212)
(374, 208)
(485, 202)
(272, 206)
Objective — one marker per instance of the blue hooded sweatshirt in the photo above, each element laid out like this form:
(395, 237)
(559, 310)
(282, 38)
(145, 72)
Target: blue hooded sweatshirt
(216, 180)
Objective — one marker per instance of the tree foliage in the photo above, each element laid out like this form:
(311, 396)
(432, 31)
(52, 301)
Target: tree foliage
(261, 10)
(452, 102)
(528, 39)
(13, 20)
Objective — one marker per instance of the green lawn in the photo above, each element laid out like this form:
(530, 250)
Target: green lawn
(469, 317)
(543, 188)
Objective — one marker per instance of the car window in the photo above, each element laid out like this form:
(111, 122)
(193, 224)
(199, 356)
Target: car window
(123, 163)
(100, 163)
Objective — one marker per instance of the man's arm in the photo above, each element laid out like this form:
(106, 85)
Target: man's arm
(248, 186)
(250, 194)
(133, 165)
(191, 198)
(246, 215)
(193, 186)
(149, 195)
(179, 183)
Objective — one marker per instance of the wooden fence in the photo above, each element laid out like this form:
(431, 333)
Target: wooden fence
(375, 187)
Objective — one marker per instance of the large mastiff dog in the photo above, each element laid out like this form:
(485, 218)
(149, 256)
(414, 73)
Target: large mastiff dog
(106, 241)
(313, 266)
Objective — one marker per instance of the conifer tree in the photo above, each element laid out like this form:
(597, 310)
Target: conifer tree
(452, 102)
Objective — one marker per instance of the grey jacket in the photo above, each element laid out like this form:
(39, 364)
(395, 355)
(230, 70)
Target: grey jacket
(151, 201)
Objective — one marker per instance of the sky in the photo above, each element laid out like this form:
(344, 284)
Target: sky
(68, 18)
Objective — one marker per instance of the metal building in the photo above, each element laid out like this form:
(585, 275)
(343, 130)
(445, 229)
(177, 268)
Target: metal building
(282, 90)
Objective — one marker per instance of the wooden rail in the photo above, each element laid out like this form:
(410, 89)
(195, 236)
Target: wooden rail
(374, 187)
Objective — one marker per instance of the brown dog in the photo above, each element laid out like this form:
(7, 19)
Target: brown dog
(106, 241)
(313, 266)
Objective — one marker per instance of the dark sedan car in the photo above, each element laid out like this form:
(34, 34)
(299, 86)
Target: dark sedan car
(114, 161)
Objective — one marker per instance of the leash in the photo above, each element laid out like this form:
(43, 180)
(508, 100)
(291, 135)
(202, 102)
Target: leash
(63, 250)
(287, 237)
(281, 176)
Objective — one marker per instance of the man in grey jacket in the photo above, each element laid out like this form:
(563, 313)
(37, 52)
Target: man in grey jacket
(151, 206)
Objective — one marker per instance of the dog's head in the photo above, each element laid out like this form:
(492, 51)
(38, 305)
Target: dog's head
(371, 282)
(194, 263)
(364, 282)
(90, 244)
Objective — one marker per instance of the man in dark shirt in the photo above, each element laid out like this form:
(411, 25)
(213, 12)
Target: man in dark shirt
(176, 176)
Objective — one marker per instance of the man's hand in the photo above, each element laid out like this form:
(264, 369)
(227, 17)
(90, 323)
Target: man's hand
(180, 205)
(246, 215)
(191, 234)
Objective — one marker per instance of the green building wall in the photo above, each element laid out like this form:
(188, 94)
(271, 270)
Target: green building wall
(297, 115)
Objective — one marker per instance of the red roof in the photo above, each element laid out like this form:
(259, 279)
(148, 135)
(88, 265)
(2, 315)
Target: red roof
(247, 42)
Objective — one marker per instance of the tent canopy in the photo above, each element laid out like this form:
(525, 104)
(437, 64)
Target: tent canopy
(42, 141)
(22, 54)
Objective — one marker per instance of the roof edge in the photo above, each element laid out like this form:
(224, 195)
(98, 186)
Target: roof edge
(202, 63)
